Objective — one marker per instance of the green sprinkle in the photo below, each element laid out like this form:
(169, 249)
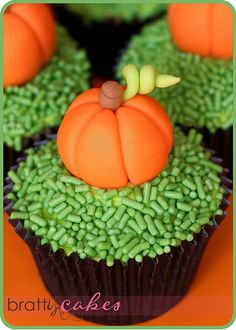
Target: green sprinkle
(108, 214)
(34, 188)
(114, 241)
(173, 194)
(125, 239)
(130, 245)
(61, 215)
(57, 200)
(140, 221)
(74, 218)
(19, 215)
(14, 177)
(63, 240)
(70, 180)
(132, 204)
(150, 225)
(146, 192)
(110, 194)
(58, 234)
(123, 221)
(137, 249)
(50, 232)
(164, 182)
(110, 261)
(160, 226)
(120, 212)
(158, 249)
(189, 184)
(38, 220)
(184, 206)
(90, 252)
(162, 202)
(200, 188)
(159, 210)
(138, 194)
(148, 238)
(180, 235)
(80, 199)
(153, 195)
(135, 227)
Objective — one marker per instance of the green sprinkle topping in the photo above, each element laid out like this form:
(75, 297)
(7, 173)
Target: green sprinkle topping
(130, 222)
(127, 12)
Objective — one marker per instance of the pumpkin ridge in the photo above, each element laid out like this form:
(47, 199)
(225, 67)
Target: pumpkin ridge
(71, 107)
(210, 27)
(158, 127)
(78, 135)
(121, 146)
(93, 118)
(32, 30)
(82, 130)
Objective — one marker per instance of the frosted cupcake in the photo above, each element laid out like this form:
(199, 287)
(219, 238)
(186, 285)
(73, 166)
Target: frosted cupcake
(43, 71)
(184, 45)
(119, 204)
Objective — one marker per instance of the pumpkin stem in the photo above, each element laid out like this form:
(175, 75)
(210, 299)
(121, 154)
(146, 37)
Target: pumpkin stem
(145, 80)
(110, 95)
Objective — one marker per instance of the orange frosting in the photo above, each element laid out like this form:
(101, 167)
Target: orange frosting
(203, 29)
(110, 148)
(29, 41)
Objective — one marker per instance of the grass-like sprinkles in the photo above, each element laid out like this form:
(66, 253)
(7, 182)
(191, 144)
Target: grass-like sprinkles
(131, 222)
(42, 102)
(204, 98)
(97, 12)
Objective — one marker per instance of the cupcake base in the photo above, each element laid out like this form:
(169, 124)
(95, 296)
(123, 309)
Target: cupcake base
(144, 290)
(222, 142)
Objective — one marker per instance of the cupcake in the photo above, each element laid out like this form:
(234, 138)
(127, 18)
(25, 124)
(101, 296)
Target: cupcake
(43, 72)
(97, 26)
(184, 45)
(119, 207)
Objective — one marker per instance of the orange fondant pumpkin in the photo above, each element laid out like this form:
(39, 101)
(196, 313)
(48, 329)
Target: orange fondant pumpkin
(29, 41)
(109, 148)
(204, 29)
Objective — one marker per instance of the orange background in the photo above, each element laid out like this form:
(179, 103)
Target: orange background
(208, 303)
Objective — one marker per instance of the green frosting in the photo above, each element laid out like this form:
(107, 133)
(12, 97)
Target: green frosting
(131, 222)
(42, 102)
(204, 97)
(116, 11)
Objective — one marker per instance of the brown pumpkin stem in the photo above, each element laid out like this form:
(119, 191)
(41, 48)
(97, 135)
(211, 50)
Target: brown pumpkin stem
(110, 95)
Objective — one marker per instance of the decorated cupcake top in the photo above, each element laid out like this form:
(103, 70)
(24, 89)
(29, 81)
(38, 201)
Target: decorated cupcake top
(29, 41)
(116, 136)
(62, 205)
(203, 29)
(117, 224)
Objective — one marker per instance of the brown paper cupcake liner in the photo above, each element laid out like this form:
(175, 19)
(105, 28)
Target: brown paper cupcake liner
(222, 143)
(144, 290)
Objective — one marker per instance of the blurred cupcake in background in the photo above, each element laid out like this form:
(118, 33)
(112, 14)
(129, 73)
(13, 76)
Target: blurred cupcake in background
(105, 28)
(195, 42)
(43, 71)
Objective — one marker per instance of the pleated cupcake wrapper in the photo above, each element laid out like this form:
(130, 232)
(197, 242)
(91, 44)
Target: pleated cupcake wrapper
(144, 290)
(222, 142)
